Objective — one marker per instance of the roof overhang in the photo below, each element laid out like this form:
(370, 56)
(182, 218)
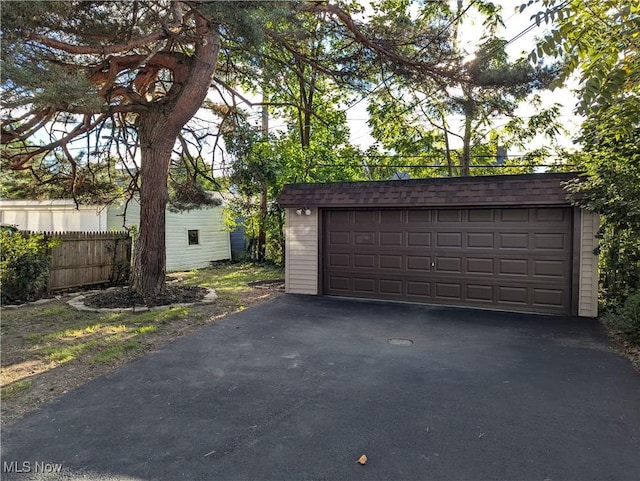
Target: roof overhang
(495, 191)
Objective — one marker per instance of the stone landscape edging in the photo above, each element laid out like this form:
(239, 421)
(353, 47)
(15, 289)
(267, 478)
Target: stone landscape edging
(78, 303)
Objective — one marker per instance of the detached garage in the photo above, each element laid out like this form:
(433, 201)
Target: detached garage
(502, 242)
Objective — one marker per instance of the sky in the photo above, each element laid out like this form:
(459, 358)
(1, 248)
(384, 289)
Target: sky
(516, 25)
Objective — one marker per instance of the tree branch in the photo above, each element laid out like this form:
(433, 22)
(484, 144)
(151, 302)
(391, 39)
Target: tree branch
(19, 160)
(106, 50)
(361, 38)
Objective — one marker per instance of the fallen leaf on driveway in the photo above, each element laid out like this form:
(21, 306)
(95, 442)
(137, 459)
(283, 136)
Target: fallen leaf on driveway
(362, 459)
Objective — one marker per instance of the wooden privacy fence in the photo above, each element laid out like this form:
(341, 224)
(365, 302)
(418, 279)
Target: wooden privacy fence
(89, 258)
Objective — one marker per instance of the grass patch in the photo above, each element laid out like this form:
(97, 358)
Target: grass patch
(146, 329)
(16, 389)
(60, 334)
(232, 279)
(163, 317)
(65, 353)
(117, 352)
(58, 343)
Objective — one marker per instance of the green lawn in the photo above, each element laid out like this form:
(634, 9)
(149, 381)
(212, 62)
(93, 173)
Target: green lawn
(49, 338)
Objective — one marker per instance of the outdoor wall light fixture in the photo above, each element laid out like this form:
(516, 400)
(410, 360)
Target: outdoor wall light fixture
(303, 210)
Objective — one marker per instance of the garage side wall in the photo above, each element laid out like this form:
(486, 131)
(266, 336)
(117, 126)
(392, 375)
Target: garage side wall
(301, 262)
(588, 285)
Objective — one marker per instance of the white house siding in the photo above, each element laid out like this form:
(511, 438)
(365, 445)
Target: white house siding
(588, 285)
(53, 216)
(213, 239)
(117, 219)
(301, 262)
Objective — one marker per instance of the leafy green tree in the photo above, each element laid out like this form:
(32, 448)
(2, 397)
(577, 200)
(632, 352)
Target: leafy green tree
(488, 84)
(141, 64)
(139, 71)
(24, 268)
(599, 43)
(262, 164)
(610, 186)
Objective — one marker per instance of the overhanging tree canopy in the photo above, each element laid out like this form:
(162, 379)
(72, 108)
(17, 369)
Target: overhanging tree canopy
(141, 70)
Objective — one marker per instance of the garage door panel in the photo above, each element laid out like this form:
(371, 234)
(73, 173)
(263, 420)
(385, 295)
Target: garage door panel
(365, 217)
(444, 216)
(514, 215)
(481, 215)
(419, 289)
(479, 293)
(364, 285)
(419, 239)
(419, 263)
(478, 265)
(391, 239)
(339, 217)
(448, 239)
(513, 295)
(548, 297)
(364, 260)
(449, 291)
(550, 268)
(364, 238)
(391, 217)
(390, 261)
(513, 259)
(419, 216)
(513, 240)
(391, 286)
(448, 264)
(480, 240)
(339, 238)
(549, 216)
(339, 260)
(551, 241)
(340, 284)
(517, 267)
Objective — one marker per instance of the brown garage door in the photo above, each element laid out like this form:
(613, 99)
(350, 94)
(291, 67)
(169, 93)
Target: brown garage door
(515, 259)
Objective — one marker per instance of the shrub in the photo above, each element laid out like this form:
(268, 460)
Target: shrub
(627, 319)
(24, 266)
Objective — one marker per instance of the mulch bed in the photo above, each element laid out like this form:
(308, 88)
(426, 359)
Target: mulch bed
(124, 297)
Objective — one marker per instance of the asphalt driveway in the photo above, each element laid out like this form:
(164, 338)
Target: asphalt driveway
(299, 387)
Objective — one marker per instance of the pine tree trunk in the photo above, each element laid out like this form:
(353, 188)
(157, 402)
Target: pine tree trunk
(158, 130)
(148, 273)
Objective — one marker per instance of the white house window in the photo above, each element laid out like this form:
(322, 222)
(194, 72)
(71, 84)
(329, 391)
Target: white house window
(194, 237)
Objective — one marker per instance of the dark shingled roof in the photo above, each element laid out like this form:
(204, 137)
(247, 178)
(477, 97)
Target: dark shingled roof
(499, 190)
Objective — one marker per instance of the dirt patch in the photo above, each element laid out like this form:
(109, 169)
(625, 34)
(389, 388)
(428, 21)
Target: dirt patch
(125, 298)
(275, 284)
(626, 348)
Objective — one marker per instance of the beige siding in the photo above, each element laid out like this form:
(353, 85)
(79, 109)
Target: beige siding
(213, 240)
(588, 287)
(301, 263)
